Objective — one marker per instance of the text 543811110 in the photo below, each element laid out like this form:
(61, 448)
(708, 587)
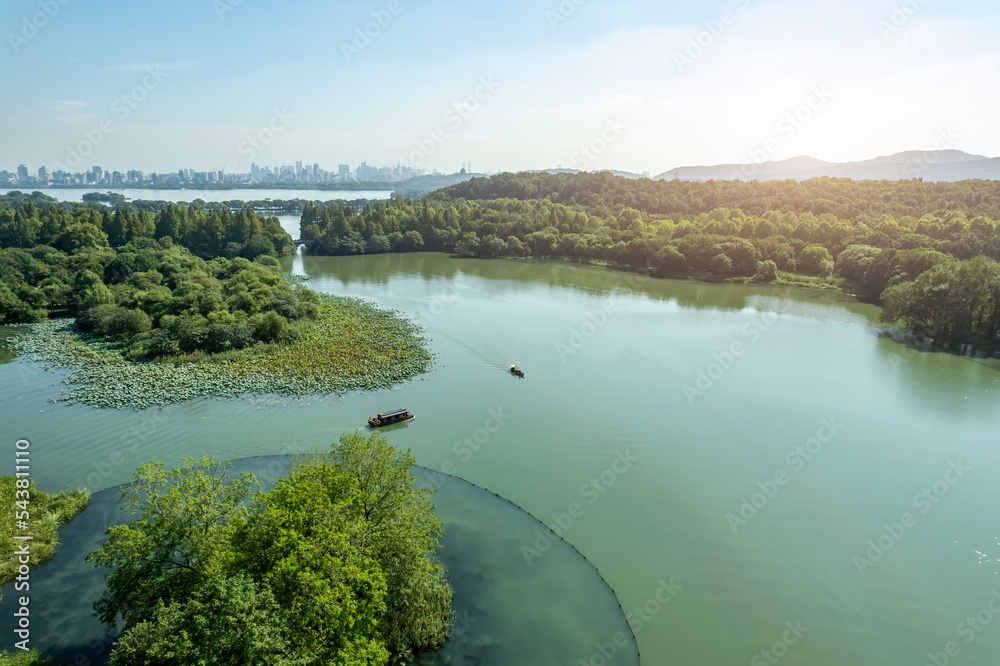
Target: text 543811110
(22, 541)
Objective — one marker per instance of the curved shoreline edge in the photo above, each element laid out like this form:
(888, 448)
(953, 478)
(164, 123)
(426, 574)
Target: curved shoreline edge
(285, 459)
(517, 506)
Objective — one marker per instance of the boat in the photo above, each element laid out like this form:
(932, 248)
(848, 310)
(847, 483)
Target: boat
(389, 418)
(514, 370)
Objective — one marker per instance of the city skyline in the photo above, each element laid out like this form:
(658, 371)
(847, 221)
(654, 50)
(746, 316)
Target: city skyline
(297, 172)
(637, 86)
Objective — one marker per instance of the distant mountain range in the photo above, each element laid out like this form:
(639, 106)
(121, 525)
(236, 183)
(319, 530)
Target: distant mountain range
(939, 165)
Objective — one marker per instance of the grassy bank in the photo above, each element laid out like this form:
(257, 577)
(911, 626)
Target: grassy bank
(352, 346)
(47, 513)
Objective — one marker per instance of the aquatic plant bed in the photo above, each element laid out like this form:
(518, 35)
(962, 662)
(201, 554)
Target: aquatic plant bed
(353, 346)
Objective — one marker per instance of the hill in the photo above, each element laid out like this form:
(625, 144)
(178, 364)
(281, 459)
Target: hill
(936, 166)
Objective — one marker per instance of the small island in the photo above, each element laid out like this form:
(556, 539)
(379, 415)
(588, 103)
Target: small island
(154, 322)
(337, 563)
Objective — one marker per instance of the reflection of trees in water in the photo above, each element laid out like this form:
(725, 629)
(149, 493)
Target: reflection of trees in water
(380, 268)
(947, 383)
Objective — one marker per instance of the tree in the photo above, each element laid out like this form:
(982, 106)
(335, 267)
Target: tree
(468, 245)
(353, 243)
(227, 621)
(951, 303)
(812, 257)
(402, 531)
(89, 290)
(125, 324)
(412, 241)
(178, 539)
(720, 264)
(379, 244)
(270, 327)
(258, 245)
(307, 544)
(855, 261)
(77, 236)
(767, 271)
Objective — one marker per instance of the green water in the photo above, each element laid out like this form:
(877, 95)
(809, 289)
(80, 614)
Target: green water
(493, 625)
(615, 391)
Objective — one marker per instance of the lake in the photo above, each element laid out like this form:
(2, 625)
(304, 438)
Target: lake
(210, 196)
(809, 488)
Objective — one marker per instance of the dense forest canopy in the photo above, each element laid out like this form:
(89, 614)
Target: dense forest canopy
(875, 237)
(868, 235)
(335, 565)
(843, 197)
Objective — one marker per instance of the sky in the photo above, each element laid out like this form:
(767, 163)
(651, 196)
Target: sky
(634, 85)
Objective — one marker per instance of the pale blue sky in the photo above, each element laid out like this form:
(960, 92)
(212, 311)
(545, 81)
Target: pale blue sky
(881, 77)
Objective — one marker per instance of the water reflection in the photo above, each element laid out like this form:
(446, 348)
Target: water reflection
(506, 612)
(523, 274)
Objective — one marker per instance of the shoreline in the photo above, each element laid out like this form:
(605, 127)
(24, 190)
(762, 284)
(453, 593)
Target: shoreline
(356, 346)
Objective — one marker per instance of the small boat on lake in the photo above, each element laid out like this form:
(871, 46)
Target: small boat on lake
(514, 370)
(390, 418)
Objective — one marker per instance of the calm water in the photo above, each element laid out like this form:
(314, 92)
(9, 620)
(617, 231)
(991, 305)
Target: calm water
(216, 195)
(568, 601)
(646, 478)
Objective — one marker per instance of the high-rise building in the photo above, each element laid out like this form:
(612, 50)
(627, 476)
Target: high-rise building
(298, 167)
(22, 172)
(43, 175)
(343, 172)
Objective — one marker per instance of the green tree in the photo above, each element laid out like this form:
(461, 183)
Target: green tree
(402, 531)
(227, 621)
(951, 303)
(178, 539)
(767, 271)
(812, 257)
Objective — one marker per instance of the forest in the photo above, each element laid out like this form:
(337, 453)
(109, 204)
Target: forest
(124, 276)
(875, 239)
(926, 251)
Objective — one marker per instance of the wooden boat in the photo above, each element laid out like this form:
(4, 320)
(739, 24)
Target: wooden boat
(389, 418)
(514, 370)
